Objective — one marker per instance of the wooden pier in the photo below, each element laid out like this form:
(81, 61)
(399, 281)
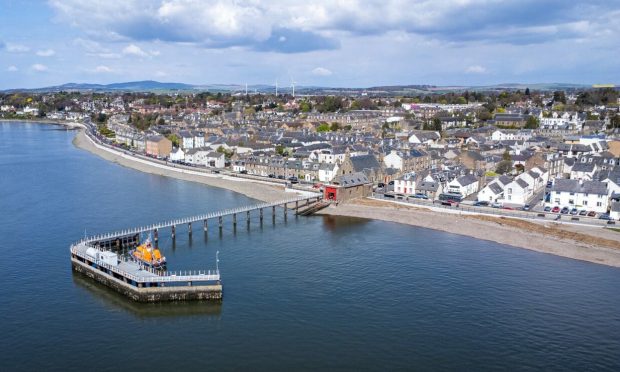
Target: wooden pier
(93, 256)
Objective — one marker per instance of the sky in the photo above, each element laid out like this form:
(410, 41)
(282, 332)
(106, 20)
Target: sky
(336, 43)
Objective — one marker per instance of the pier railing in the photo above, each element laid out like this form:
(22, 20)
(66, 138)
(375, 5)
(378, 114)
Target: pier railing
(186, 220)
(160, 277)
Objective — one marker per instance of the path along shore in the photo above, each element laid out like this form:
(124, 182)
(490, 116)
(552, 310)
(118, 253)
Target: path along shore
(592, 244)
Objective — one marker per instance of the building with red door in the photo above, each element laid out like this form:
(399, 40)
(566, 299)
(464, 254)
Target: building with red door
(347, 187)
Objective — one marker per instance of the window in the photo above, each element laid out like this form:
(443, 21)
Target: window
(599, 204)
(585, 202)
(571, 202)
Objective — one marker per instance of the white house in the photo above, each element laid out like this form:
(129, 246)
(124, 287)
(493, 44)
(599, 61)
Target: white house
(499, 135)
(464, 185)
(425, 138)
(177, 154)
(614, 210)
(205, 157)
(405, 185)
(492, 192)
(327, 171)
(393, 160)
(187, 140)
(517, 192)
(589, 195)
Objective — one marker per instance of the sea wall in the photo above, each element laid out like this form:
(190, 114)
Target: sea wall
(151, 294)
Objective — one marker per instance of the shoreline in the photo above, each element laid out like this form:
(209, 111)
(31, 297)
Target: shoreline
(591, 244)
(63, 123)
(251, 188)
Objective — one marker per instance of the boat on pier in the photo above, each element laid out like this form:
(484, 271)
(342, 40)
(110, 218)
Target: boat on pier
(149, 255)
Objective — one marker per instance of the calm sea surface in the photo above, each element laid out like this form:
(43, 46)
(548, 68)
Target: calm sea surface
(305, 294)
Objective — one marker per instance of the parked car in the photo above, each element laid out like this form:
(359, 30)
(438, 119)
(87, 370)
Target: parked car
(526, 207)
(555, 209)
(547, 209)
(244, 172)
(583, 212)
(481, 204)
(280, 177)
(451, 203)
(496, 205)
(272, 176)
(381, 185)
(611, 222)
(317, 186)
(420, 196)
(549, 184)
(293, 179)
(574, 211)
(508, 208)
(564, 210)
(591, 214)
(604, 216)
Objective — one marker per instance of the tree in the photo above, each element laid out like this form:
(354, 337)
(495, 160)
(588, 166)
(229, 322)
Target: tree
(615, 121)
(527, 92)
(323, 127)
(504, 166)
(174, 139)
(506, 156)
(334, 127)
(532, 122)
(280, 150)
(559, 96)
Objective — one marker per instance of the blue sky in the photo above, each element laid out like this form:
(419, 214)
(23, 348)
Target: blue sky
(347, 43)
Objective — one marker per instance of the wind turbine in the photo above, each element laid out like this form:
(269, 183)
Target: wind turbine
(293, 86)
(276, 87)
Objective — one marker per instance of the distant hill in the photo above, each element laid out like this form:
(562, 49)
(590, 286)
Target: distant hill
(156, 86)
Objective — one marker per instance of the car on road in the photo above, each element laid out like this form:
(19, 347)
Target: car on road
(547, 209)
(451, 203)
(591, 214)
(555, 209)
(420, 196)
(293, 179)
(574, 211)
(611, 222)
(583, 212)
(604, 216)
(564, 210)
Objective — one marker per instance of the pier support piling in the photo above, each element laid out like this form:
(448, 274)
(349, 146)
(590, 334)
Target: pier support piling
(234, 219)
(261, 215)
(189, 228)
(220, 221)
(156, 235)
(174, 231)
(206, 226)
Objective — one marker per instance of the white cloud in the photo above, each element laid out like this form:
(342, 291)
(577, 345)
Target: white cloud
(16, 48)
(476, 69)
(103, 69)
(39, 67)
(321, 71)
(134, 50)
(12, 68)
(46, 53)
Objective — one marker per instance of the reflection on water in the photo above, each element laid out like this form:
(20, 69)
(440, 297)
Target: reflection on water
(335, 222)
(117, 301)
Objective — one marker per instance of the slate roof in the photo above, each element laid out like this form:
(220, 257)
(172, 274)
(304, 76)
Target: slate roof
(351, 180)
(467, 180)
(364, 162)
(589, 187)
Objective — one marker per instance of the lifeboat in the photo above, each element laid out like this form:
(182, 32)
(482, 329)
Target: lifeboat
(149, 255)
